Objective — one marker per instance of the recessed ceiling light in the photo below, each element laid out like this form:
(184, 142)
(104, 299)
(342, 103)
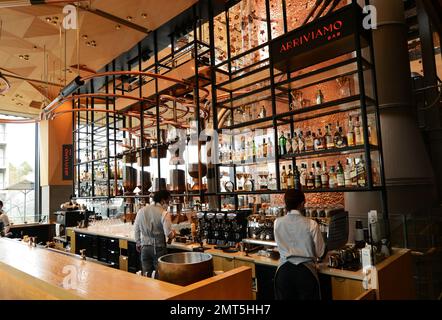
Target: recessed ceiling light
(84, 37)
(129, 18)
(118, 27)
(144, 15)
(48, 19)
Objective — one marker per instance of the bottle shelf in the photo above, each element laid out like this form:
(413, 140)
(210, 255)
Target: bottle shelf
(333, 107)
(257, 162)
(302, 155)
(328, 152)
(305, 190)
(345, 104)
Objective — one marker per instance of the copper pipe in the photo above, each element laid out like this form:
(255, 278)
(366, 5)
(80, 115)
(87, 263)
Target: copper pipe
(56, 103)
(138, 73)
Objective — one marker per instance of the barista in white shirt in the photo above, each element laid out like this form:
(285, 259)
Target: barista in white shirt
(300, 243)
(4, 219)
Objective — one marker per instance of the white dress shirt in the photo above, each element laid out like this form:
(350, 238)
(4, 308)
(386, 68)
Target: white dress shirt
(152, 225)
(299, 239)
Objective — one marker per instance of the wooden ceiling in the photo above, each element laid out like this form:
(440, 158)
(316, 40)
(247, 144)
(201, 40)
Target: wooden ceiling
(34, 48)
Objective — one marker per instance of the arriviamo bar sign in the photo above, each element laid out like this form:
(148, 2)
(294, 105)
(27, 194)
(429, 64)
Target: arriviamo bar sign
(326, 37)
(329, 32)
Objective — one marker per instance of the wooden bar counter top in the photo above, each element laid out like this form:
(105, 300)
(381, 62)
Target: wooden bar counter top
(38, 273)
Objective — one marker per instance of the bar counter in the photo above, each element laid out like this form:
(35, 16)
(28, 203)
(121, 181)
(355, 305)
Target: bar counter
(252, 257)
(39, 273)
(392, 278)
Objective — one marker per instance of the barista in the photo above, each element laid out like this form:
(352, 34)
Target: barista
(300, 243)
(152, 226)
(4, 222)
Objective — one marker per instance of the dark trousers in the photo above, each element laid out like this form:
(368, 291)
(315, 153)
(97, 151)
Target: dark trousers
(149, 258)
(296, 282)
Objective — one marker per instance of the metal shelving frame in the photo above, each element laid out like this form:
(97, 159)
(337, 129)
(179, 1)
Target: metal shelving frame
(199, 49)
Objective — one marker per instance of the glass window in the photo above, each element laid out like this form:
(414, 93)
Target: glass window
(17, 170)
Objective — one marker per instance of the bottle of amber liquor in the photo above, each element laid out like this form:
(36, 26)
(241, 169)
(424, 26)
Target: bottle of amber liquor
(284, 177)
(329, 142)
(350, 133)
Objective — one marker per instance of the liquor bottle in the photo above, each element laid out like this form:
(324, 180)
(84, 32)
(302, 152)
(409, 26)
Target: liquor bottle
(319, 97)
(264, 148)
(303, 175)
(316, 141)
(222, 154)
(262, 112)
(322, 141)
(290, 179)
(311, 180)
(329, 143)
(361, 172)
(249, 152)
(272, 182)
(332, 180)
(301, 142)
(289, 144)
(318, 183)
(284, 181)
(359, 136)
(324, 175)
(309, 141)
(347, 173)
(270, 149)
(295, 144)
(340, 178)
(297, 179)
(282, 144)
(259, 151)
(339, 139)
(350, 133)
(353, 172)
(254, 153)
(242, 150)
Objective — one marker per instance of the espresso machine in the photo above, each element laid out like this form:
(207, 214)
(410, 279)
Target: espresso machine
(222, 228)
(206, 225)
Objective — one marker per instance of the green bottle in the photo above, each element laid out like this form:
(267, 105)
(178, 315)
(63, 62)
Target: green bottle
(282, 144)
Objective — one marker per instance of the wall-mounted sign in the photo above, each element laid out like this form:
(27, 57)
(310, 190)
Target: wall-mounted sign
(68, 162)
(323, 39)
